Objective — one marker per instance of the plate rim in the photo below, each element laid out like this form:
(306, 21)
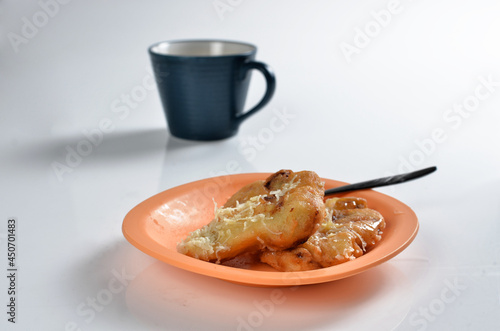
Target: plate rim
(132, 230)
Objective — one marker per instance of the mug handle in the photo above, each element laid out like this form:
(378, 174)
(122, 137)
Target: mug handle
(270, 82)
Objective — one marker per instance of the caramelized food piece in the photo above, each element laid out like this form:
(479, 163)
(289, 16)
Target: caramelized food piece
(277, 213)
(349, 230)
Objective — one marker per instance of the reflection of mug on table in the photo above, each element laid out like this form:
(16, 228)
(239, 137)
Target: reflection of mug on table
(203, 85)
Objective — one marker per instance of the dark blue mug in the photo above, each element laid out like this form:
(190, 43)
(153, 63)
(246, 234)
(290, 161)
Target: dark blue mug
(203, 85)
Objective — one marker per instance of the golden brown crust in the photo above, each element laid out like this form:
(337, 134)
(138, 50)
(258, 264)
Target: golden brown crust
(298, 259)
(349, 230)
(276, 214)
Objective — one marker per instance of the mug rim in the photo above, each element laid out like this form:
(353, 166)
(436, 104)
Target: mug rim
(252, 47)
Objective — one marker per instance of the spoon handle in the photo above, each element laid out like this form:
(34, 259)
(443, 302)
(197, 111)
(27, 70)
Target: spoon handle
(382, 181)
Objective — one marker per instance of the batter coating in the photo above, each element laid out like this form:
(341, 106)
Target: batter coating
(275, 214)
(349, 230)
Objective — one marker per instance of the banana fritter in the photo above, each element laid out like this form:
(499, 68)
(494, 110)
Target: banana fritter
(273, 214)
(349, 230)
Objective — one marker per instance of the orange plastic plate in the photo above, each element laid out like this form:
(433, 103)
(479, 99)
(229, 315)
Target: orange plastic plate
(156, 225)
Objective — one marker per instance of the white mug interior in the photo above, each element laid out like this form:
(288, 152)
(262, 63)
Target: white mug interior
(201, 48)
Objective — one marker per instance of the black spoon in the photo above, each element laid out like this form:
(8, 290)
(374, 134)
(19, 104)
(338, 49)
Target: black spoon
(382, 181)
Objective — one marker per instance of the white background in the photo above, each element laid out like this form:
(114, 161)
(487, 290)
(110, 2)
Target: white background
(389, 105)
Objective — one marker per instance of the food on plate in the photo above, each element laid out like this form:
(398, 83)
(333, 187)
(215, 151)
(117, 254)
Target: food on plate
(283, 221)
(348, 231)
(274, 214)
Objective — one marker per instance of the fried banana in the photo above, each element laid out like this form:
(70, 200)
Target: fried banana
(349, 230)
(273, 214)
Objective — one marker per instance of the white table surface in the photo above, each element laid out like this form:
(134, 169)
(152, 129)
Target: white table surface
(422, 89)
